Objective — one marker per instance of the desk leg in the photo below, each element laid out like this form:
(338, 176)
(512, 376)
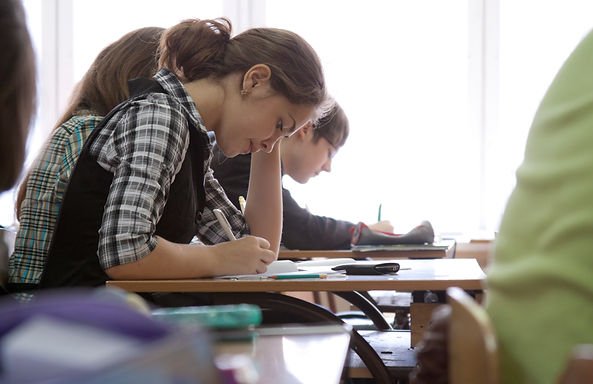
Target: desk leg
(423, 303)
(420, 314)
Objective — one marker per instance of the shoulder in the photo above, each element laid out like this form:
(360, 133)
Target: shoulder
(157, 109)
(75, 129)
(156, 101)
(80, 122)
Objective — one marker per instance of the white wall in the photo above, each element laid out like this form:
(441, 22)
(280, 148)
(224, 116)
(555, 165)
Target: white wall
(440, 94)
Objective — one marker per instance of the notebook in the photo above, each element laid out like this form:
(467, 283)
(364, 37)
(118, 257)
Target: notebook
(291, 267)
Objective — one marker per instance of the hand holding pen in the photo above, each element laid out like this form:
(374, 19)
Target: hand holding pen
(381, 225)
(247, 255)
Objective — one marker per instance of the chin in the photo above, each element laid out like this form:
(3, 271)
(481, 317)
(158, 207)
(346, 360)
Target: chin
(301, 179)
(227, 152)
(230, 154)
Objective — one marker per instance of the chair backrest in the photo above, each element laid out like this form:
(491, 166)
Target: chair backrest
(473, 355)
(579, 368)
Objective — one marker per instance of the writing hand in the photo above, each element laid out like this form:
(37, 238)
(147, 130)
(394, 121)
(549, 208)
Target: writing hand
(382, 226)
(247, 255)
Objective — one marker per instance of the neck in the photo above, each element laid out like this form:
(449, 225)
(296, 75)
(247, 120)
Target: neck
(208, 96)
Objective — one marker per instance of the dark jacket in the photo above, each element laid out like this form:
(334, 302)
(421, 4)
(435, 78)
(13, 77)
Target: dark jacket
(301, 229)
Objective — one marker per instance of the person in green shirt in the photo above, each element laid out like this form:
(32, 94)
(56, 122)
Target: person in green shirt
(540, 282)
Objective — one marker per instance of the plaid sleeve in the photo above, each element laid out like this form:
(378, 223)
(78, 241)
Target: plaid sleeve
(210, 231)
(144, 153)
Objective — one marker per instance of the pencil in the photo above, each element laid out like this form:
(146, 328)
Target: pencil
(299, 276)
(379, 214)
(242, 204)
(226, 227)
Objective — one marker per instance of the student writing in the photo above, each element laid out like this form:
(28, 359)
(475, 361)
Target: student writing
(142, 186)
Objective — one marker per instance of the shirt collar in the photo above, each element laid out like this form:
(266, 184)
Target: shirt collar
(174, 87)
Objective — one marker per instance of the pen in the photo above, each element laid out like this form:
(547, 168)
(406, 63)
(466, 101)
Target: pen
(379, 214)
(299, 276)
(242, 204)
(224, 223)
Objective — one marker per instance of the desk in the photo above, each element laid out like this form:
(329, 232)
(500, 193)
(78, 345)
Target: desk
(431, 274)
(438, 250)
(423, 275)
(308, 355)
(442, 249)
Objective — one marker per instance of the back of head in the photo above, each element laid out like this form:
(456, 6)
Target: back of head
(105, 84)
(196, 49)
(17, 90)
(333, 127)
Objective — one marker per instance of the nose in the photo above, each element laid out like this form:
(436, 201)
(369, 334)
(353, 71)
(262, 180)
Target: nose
(268, 144)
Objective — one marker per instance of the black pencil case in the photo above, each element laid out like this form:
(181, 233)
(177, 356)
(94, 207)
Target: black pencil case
(368, 269)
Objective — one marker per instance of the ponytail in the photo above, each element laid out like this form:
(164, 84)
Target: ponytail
(194, 49)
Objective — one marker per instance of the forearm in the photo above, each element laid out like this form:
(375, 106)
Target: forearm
(169, 261)
(264, 198)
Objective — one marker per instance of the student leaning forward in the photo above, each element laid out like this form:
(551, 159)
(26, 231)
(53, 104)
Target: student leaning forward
(142, 187)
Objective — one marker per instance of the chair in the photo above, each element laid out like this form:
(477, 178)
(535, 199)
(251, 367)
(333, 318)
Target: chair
(472, 343)
(579, 368)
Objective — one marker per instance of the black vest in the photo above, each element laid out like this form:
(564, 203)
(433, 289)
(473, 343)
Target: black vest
(72, 259)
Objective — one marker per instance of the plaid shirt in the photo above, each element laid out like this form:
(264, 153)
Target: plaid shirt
(144, 146)
(43, 197)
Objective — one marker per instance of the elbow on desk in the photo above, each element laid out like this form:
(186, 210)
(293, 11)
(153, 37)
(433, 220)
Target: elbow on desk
(119, 272)
(129, 271)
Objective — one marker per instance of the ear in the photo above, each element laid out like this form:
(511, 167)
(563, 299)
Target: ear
(256, 76)
(306, 131)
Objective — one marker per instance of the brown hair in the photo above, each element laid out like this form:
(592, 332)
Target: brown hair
(333, 127)
(196, 49)
(17, 93)
(105, 84)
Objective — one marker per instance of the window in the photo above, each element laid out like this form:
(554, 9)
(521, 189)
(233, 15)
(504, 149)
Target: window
(535, 38)
(440, 97)
(400, 71)
(440, 94)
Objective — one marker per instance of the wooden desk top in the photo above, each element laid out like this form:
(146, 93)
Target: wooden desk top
(312, 354)
(442, 249)
(432, 274)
